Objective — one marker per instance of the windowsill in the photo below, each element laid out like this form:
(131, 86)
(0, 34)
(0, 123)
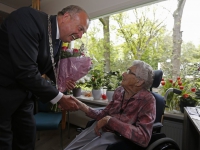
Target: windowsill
(92, 101)
(174, 115)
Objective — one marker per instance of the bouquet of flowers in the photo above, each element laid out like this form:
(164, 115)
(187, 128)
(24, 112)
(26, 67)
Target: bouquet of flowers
(73, 65)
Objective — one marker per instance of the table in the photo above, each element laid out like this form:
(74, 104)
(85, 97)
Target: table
(191, 131)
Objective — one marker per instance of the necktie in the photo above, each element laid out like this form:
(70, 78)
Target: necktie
(56, 47)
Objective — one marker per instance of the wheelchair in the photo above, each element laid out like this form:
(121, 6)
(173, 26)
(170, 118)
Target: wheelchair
(158, 141)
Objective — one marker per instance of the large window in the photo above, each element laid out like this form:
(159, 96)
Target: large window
(144, 33)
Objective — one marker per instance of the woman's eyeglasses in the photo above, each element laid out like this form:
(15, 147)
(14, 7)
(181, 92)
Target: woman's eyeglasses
(129, 72)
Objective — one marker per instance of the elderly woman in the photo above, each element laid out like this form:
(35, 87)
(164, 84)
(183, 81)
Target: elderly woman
(131, 113)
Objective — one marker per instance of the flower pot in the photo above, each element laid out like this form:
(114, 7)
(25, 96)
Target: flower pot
(185, 104)
(109, 95)
(96, 94)
(76, 92)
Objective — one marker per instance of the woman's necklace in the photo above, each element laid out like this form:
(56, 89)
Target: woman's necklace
(51, 52)
(122, 109)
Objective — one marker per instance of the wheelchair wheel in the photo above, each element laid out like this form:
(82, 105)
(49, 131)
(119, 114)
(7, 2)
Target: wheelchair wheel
(164, 144)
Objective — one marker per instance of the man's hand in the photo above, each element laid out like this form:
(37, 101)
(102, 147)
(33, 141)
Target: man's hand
(70, 85)
(101, 123)
(81, 105)
(67, 103)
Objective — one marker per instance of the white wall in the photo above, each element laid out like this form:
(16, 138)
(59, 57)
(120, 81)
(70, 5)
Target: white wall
(95, 8)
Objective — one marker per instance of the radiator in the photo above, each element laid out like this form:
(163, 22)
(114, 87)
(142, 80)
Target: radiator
(173, 130)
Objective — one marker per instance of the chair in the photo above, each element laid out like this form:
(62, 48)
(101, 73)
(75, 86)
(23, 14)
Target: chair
(46, 119)
(158, 141)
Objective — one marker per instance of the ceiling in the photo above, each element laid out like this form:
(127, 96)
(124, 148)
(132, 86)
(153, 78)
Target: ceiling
(16, 3)
(95, 9)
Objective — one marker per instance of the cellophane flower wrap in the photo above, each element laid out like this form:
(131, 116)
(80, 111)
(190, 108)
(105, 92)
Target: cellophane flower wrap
(73, 65)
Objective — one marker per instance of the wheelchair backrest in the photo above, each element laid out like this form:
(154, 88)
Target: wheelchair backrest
(160, 102)
(160, 106)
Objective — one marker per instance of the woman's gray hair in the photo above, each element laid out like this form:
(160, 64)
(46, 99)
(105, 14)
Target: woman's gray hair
(71, 9)
(145, 72)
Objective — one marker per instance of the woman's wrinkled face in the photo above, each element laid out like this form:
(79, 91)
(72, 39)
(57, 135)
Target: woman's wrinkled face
(129, 77)
(73, 26)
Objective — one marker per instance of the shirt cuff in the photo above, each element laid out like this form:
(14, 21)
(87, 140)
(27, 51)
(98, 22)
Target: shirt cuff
(57, 98)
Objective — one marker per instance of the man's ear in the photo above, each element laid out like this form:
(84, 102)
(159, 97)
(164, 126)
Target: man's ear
(66, 17)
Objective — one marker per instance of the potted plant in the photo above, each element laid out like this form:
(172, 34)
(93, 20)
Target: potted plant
(111, 81)
(187, 98)
(95, 83)
(79, 85)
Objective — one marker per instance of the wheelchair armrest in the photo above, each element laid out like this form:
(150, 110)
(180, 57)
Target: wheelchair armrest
(157, 125)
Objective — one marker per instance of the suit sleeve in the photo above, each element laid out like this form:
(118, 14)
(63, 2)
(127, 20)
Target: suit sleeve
(25, 31)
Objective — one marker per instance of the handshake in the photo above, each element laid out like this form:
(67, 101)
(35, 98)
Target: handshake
(70, 103)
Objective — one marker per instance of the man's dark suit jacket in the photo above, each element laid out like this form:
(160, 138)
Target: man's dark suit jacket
(25, 53)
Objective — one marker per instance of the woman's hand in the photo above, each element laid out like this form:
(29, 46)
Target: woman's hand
(101, 123)
(81, 105)
(67, 103)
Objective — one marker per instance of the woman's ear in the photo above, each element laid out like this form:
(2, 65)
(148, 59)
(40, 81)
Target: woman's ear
(140, 82)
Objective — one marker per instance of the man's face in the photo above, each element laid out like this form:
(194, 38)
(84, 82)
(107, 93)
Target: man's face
(73, 27)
